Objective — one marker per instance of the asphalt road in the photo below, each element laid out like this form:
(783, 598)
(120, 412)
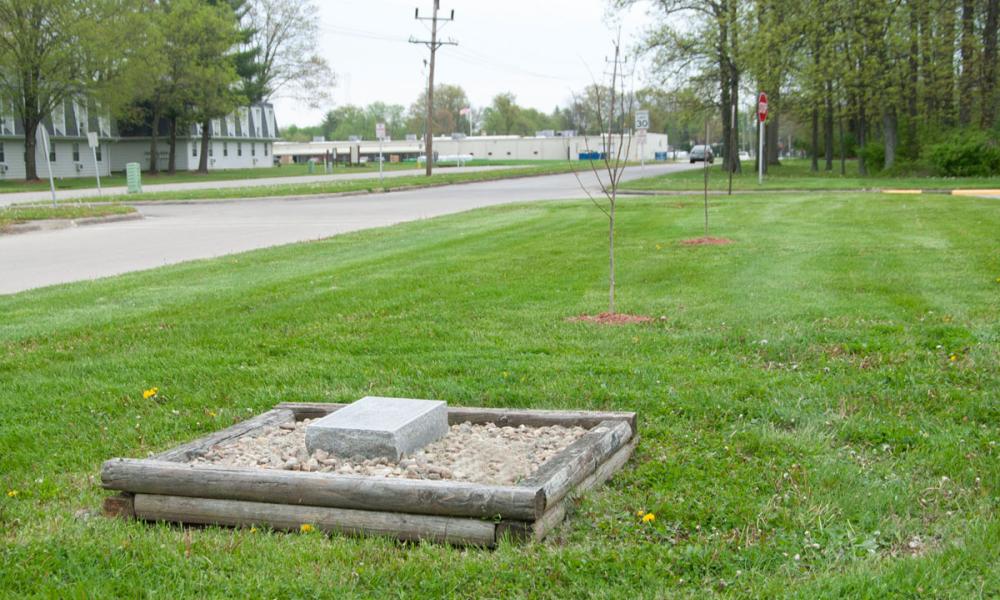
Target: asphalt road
(176, 233)
(46, 195)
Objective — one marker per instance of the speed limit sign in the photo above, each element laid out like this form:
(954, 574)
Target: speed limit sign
(642, 119)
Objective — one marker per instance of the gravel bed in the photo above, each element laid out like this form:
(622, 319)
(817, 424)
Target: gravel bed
(476, 453)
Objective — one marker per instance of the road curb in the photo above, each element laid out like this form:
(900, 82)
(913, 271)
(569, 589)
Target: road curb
(56, 224)
(329, 194)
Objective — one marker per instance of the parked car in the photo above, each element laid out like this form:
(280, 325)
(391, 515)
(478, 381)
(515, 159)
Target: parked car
(701, 153)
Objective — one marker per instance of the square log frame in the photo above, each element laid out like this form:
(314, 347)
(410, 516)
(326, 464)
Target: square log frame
(166, 488)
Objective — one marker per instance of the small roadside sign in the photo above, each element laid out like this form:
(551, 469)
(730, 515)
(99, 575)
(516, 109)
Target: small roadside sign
(380, 131)
(92, 139)
(640, 136)
(642, 119)
(762, 107)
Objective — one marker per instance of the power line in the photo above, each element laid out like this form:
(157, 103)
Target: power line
(433, 44)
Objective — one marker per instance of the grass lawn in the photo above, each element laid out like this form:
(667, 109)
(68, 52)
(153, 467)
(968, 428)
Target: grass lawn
(334, 186)
(819, 410)
(11, 215)
(295, 170)
(794, 174)
(118, 178)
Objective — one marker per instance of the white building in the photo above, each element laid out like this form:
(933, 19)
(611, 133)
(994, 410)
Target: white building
(487, 147)
(69, 153)
(242, 140)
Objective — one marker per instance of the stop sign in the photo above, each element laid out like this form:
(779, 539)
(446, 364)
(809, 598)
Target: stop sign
(762, 107)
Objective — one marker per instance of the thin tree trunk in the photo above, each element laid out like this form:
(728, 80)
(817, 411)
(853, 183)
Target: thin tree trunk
(172, 160)
(154, 156)
(927, 69)
(945, 63)
(967, 81)
(843, 148)
(889, 129)
(990, 64)
(911, 147)
(735, 94)
(772, 135)
(862, 139)
(814, 166)
(828, 127)
(611, 252)
(30, 164)
(205, 135)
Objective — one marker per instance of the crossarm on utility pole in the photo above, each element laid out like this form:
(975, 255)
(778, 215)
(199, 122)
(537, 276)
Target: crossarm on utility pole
(433, 44)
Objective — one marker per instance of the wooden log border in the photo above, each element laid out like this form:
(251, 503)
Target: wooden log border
(166, 488)
(503, 417)
(249, 427)
(445, 498)
(537, 530)
(236, 513)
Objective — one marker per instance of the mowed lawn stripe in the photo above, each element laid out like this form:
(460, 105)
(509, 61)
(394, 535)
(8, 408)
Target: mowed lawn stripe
(817, 408)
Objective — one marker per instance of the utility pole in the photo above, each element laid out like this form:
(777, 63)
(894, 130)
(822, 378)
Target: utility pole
(433, 44)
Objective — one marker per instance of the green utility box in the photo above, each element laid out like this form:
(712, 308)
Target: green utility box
(133, 178)
(312, 166)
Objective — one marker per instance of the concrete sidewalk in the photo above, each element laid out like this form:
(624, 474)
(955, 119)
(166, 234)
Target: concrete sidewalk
(44, 196)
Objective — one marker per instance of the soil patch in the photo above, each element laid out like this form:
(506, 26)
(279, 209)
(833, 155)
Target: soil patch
(476, 453)
(612, 319)
(707, 241)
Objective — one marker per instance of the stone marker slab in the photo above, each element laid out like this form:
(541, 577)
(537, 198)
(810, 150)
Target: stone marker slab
(374, 427)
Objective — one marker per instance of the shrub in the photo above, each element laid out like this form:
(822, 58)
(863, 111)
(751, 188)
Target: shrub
(874, 154)
(968, 154)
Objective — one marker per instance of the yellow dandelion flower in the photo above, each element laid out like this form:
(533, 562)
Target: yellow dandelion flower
(640, 513)
(150, 393)
(648, 518)
(253, 530)
(212, 414)
(306, 528)
(953, 357)
(12, 494)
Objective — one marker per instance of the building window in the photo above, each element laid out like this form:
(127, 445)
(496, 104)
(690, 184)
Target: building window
(266, 149)
(76, 152)
(253, 149)
(239, 148)
(3, 157)
(211, 150)
(52, 153)
(194, 150)
(225, 148)
(97, 151)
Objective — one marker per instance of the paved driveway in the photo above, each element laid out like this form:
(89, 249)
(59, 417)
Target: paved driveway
(175, 233)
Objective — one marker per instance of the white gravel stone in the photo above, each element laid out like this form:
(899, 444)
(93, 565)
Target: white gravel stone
(476, 453)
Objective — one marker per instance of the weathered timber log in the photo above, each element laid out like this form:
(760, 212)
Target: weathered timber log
(538, 529)
(119, 506)
(234, 513)
(607, 469)
(447, 498)
(522, 531)
(478, 416)
(200, 446)
(561, 473)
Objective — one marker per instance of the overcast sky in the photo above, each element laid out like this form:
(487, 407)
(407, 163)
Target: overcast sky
(541, 50)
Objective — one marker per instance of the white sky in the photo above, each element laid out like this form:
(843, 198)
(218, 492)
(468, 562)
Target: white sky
(538, 49)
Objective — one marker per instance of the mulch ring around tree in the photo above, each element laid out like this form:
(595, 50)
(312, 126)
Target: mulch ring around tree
(606, 318)
(707, 241)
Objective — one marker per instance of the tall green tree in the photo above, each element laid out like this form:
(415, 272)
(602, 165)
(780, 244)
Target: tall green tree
(52, 51)
(282, 40)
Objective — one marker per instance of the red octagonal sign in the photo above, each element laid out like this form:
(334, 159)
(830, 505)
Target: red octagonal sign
(762, 107)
